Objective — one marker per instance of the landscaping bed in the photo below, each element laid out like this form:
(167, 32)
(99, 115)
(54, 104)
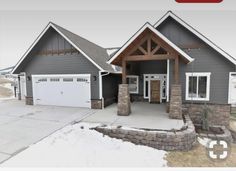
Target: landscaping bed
(169, 140)
(215, 133)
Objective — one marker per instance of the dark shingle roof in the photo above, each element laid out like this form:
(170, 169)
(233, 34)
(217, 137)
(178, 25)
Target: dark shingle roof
(96, 53)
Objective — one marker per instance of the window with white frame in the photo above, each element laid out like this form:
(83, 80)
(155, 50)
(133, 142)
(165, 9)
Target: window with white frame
(133, 81)
(198, 86)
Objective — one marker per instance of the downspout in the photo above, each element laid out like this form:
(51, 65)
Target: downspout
(100, 86)
(19, 88)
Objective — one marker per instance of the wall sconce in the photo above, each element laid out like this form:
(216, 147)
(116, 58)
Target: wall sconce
(28, 78)
(94, 78)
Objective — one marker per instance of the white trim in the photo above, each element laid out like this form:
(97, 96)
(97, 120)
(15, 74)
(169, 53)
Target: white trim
(100, 87)
(149, 26)
(137, 78)
(23, 87)
(149, 79)
(198, 74)
(62, 75)
(40, 36)
(199, 35)
(168, 81)
(144, 87)
(230, 90)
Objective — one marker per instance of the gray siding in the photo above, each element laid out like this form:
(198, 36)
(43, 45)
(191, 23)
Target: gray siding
(110, 86)
(206, 60)
(147, 67)
(68, 63)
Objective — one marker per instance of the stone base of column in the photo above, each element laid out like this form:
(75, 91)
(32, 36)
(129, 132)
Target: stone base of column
(124, 108)
(175, 102)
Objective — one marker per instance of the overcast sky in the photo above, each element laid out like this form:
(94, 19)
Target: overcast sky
(107, 24)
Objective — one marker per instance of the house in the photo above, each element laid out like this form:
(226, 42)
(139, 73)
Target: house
(169, 62)
(63, 69)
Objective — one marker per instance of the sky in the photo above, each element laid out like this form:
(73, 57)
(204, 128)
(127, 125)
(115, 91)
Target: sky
(107, 23)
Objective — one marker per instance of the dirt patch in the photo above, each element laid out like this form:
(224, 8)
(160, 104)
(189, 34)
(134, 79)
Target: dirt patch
(212, 130)
(4, 81)
(197, 157)
(5, 92)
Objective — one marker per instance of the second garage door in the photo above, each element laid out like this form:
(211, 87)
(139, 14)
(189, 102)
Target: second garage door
(62, 90)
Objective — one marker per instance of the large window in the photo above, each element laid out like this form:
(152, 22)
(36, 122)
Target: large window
(132, 80)
(198, 86)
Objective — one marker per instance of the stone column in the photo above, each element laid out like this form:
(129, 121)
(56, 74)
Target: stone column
(124, 108)
(175, 102)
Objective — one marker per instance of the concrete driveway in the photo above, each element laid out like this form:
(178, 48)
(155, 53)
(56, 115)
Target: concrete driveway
(22, 125)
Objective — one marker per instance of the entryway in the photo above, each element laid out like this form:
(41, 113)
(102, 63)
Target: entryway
(155, 91)
(155, 87)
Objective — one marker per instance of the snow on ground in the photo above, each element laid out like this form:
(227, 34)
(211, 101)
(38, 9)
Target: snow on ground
(77, 145)
(204, 141)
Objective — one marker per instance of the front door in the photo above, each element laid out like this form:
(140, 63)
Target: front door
(155, 91)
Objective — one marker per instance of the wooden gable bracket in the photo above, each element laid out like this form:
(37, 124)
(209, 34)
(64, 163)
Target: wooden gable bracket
(149, 53)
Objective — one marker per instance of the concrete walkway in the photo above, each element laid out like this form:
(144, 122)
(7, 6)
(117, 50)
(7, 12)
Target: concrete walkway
(144, 115)
(22, 125)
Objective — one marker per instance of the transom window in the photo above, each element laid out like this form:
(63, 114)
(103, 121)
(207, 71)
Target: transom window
(67, 79)
(198, 86)
(133, 81)
(42, 80)
(54, 79)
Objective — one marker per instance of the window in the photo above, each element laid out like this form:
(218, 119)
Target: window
(82, 80)
(198, 86)
(67, 79)
(42, 80)
(54, 79)
(133, 84)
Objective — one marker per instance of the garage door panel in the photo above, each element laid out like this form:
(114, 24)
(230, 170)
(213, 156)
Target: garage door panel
(63, 91)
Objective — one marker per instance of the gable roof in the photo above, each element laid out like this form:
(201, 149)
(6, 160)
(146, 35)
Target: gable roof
(149, 26)
(195, 32)
(94, 53)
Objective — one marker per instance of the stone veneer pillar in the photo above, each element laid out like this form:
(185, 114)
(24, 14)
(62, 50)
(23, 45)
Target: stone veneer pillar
(175, 102)
(124, 108)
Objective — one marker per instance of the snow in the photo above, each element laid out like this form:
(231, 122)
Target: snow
(78, 145)
(204, 141)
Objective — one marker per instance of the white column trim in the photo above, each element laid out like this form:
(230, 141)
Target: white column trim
(168, 80)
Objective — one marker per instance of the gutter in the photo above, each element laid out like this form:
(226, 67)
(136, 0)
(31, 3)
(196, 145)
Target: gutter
(100, 85)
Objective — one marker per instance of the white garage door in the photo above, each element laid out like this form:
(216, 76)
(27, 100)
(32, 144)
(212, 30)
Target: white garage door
(62, 90)
(232, 88)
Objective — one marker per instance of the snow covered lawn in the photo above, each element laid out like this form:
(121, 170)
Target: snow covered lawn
(77, 145)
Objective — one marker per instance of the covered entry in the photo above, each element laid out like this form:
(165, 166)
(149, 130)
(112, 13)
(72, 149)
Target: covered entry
(149, 47)
(62, 90)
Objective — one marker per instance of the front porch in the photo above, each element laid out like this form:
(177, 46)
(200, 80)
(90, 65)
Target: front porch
(144, 115)
(145, 59)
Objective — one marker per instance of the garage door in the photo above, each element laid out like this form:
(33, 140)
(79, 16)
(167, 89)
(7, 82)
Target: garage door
(62, 90)
(232, 88)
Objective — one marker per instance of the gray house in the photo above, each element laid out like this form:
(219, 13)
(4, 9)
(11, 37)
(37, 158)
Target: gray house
(169, 62)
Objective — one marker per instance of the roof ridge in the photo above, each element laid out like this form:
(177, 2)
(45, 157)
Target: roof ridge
(192, 30)
(77, 35)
